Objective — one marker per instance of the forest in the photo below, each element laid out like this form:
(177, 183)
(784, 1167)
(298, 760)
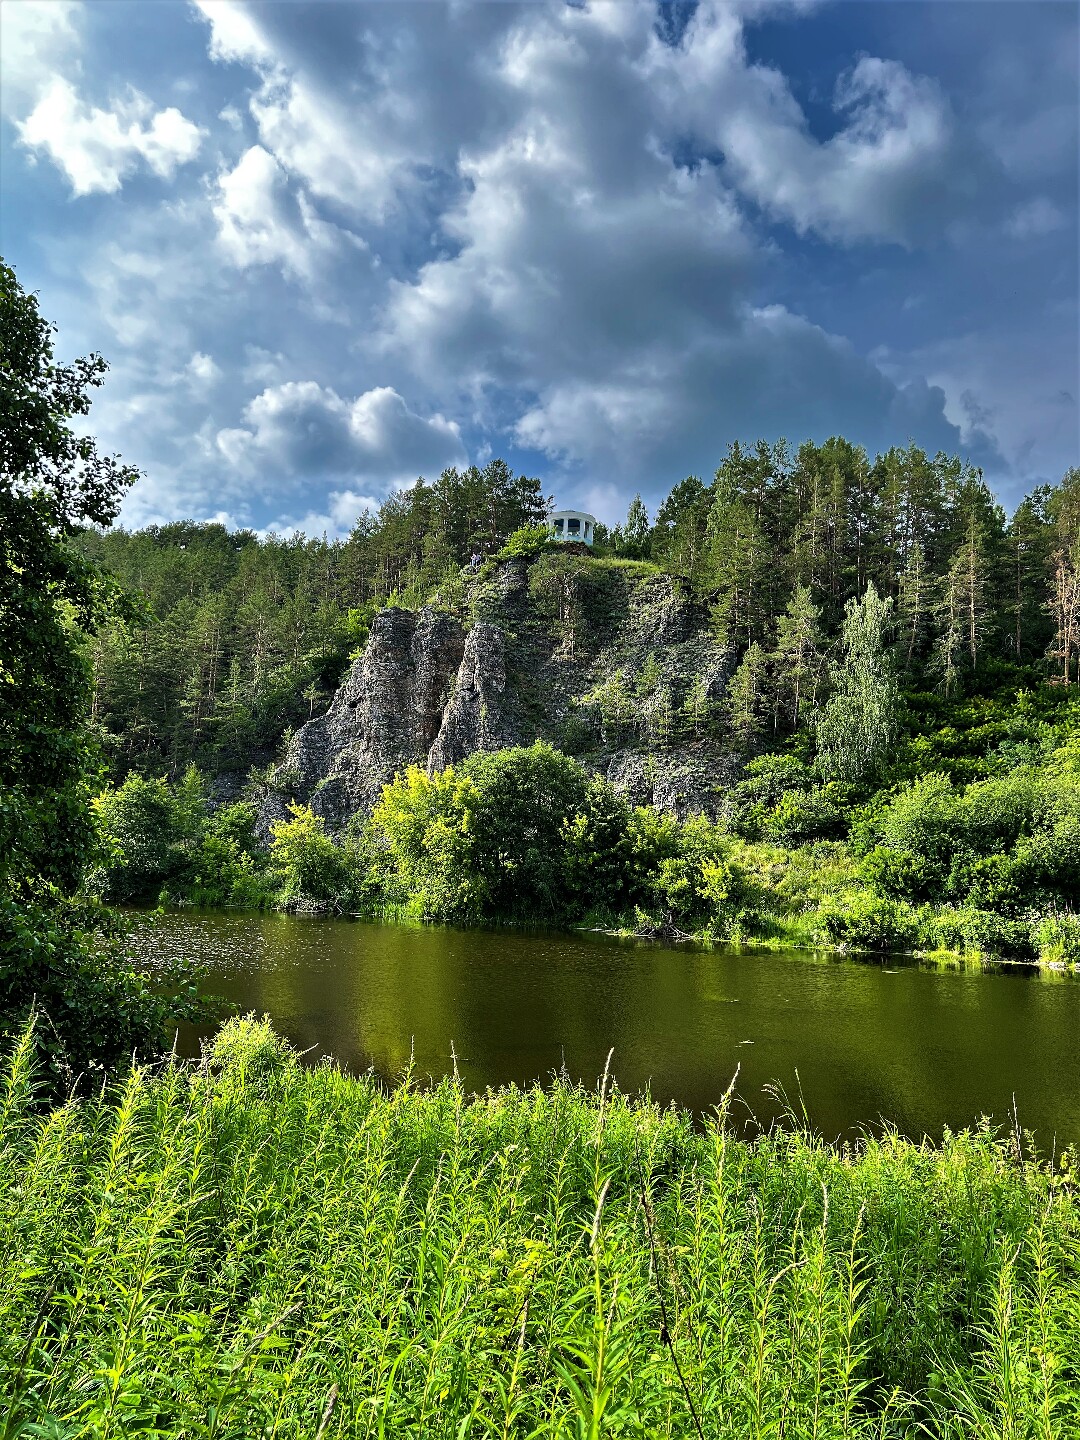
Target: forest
(901, 670)
(230, 639)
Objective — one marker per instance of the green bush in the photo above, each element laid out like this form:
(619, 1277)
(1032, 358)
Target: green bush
(1057, 939)
(867, 921)
(980, 931)
(526, 543)
(246, 1050)
(798, 816)
(306, 862)
(147, 833)
(599, 854)
(421, 847)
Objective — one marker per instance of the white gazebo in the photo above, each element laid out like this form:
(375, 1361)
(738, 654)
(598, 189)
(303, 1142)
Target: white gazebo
(573, 525)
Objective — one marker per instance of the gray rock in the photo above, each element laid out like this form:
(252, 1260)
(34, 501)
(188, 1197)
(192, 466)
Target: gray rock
(478, 715)
(427, 692)
(681, 782)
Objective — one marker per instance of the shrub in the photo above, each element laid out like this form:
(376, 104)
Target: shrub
(247, 1050)
(868, 921)
(421, 843)
(897, 873)
(1057, 939)
(809, 815)
(143, 832)
(526, 543)
(980, 931)
(307, 863)
(599, 853)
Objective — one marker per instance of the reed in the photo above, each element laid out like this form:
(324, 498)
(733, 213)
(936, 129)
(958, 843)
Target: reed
(248, 1247)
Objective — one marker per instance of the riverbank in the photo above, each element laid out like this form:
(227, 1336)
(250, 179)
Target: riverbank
(249, 1245)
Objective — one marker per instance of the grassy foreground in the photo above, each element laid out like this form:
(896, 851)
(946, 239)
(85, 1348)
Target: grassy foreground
(250, 1248)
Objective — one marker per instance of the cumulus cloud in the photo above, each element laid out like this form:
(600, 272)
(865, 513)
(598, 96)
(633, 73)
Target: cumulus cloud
(303, 429)
(36, 37)
(342, 510)
(899, 168)
(567, 228)
(97, 148)
(608, 287)
(202, 370)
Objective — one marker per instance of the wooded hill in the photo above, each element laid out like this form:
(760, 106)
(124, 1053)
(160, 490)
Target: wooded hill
(232, 639)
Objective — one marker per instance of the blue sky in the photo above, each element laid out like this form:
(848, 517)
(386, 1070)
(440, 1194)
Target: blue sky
(327, 248)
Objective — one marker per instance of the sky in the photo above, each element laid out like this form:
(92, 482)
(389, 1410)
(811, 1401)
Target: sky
(327, 248)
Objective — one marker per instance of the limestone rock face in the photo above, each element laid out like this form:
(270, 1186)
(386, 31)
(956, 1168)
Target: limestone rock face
(385, 717)
(431, 691)
(683, 783)
(478, 715)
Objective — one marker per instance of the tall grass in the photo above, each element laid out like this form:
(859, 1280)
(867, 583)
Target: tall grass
(250, 1248)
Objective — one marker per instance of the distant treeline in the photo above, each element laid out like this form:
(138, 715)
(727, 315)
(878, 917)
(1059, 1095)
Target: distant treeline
(233, 638)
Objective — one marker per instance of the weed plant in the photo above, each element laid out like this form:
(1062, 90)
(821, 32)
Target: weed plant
(247, 1247)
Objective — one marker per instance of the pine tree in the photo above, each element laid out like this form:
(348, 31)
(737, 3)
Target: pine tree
(962, 611)
(796, 660)
(949, 618)
(698, 706)
(744, 699)
(680, 534)
(914, 603)
(1064, 608)
(1029, 540)
(734, 569)
(634, 533)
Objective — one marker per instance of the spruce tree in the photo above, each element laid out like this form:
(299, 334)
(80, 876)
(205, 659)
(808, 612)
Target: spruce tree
(744, 700)
(796, 660)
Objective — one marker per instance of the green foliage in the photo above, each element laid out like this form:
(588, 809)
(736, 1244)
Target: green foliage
(1006, 843)
(858, 728)
(157, 838)
(1057, 939)
(246, 1246)
(867, 921)
(307, 864)
(526, 543)
(422, 841)
(148, 830)
(59, 957)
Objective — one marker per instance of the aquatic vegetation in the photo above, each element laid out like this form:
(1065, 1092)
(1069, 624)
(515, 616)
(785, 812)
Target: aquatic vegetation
(246, 1247)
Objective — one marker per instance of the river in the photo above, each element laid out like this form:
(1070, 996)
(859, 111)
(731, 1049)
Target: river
(854, 1041)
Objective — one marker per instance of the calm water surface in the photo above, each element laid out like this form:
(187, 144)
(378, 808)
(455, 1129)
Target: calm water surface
(858, 1041)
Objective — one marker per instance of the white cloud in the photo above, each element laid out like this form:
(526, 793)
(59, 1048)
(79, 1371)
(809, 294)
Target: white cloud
(1039, 216)
(202, 369)
(262, 221)
(607, 289)
(97, 148)
(302, 429)
(36, 38)
(234, 32)
(343, 509)
(898, 170)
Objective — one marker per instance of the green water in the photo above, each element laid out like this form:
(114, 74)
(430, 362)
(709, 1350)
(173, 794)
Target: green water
(922, 1048)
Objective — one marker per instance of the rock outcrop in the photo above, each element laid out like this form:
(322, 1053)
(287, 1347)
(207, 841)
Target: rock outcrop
(431, 689)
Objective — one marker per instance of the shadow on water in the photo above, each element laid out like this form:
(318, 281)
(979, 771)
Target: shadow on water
(921, 1048)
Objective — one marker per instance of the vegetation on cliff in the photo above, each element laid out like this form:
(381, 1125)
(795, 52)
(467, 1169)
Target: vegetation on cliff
(249, 1247)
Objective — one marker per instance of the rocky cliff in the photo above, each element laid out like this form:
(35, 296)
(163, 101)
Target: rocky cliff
(611, 662)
